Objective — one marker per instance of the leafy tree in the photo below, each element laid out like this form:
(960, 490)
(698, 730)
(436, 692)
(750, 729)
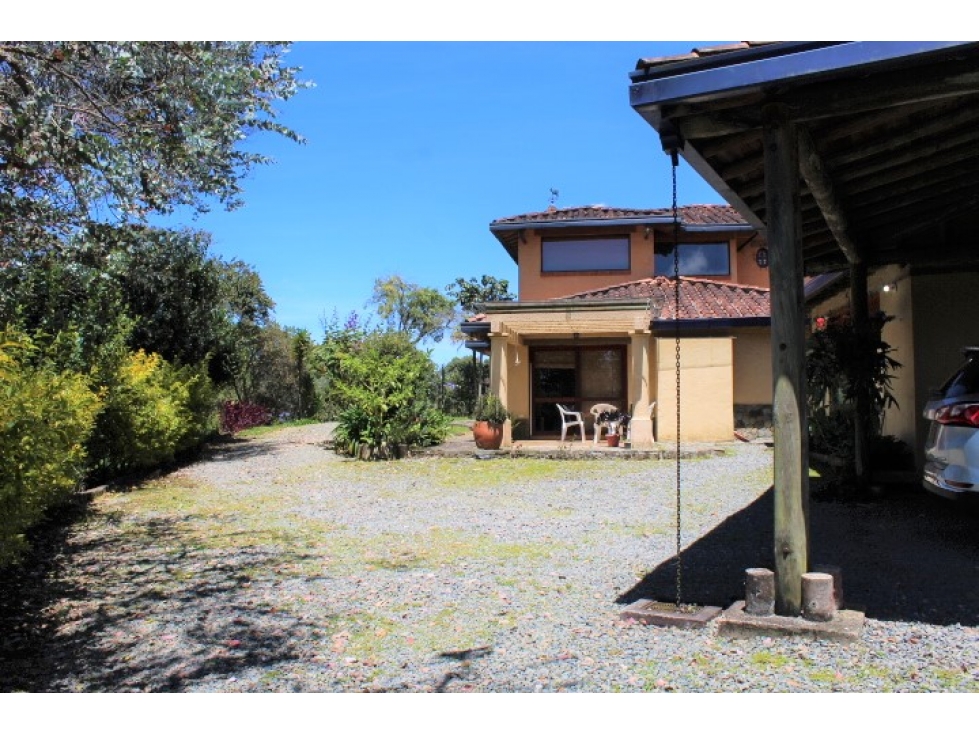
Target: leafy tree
(469, 294)
(324, 360)
(278, 378)
(120, 130)
(170, 288)
(463, 377)
(305, 392)
(421, 313)
(247, 309)
(157, 289)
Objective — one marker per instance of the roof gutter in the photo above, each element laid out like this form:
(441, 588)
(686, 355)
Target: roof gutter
(564, 304)
(732, 323)
(622, 221)
(480, 329)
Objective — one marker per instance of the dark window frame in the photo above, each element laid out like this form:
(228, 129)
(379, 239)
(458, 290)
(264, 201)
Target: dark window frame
(614, 238)
(669, 270)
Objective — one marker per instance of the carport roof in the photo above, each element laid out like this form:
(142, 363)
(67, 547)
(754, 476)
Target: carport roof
(889, 139)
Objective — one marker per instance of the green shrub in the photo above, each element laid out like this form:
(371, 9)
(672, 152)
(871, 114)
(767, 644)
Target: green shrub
(385, 383)
(45, 418)
(153, 411)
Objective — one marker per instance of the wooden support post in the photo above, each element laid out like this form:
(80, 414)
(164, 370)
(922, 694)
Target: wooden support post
(790, 431)
(861, 327)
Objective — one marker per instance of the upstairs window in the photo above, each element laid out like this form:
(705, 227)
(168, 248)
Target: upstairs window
(585, 254)
(712, 258)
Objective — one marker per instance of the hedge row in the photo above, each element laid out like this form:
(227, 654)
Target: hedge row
(59, 427)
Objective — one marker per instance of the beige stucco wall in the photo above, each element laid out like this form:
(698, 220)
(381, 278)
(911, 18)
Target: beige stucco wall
(899, 421)
(533, 285)
(744, 268)
(706, 387)
(753, 367)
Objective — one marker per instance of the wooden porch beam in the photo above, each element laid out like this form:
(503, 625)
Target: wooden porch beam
(823, 192)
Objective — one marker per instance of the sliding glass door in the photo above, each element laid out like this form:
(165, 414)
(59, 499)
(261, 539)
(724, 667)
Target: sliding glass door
(577, 377)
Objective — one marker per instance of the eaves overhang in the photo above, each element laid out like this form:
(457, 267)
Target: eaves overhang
(560, 304)
(508, 233)
(783, 64)
(661, 325)
(888, 135)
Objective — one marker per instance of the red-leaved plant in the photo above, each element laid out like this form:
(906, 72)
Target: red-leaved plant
(237, 416)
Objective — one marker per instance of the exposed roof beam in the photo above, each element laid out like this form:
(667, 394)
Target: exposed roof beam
(821, 187)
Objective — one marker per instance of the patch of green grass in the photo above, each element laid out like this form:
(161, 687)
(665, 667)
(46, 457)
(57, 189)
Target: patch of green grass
(766, 659)
(955, 680)
(257, 431)
(442, 547)
(459, 429)
(637, 530)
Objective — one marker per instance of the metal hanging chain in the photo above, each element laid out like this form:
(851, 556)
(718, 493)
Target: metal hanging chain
(676, 334)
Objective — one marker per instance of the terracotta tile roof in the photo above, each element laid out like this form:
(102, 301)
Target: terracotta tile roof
(696, 54)
(690, 215)
(700, 298)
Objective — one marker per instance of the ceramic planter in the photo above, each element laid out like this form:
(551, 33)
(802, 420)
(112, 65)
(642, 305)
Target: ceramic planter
(488, 435)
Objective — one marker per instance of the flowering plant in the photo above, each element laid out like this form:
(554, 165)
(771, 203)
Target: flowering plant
(613, 416)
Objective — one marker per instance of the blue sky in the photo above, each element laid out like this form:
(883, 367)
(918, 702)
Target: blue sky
(414, 148)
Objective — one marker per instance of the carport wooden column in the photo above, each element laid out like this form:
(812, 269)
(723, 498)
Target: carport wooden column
(640, 392)
(499, 354)
(789, 424)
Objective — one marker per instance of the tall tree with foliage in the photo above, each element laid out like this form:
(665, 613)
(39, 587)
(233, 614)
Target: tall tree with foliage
(421, 313)
(117, 131)
(463, 376)
(470, 294)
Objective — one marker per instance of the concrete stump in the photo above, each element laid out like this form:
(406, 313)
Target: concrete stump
(837, 574)
(759, 592)
(818, 600)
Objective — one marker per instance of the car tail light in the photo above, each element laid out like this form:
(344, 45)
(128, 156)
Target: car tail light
(960, 414)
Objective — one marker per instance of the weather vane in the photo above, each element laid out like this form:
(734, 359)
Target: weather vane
(554, 194)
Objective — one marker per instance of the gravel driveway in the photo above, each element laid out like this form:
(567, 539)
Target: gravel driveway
(275, 565)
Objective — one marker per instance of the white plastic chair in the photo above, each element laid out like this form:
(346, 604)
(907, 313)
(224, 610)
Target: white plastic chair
(597, 410)
(569, 419)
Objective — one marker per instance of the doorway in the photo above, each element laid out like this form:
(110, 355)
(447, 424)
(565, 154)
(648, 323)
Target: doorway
(577, 377)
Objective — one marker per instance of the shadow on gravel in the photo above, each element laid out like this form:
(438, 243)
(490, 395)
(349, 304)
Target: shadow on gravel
(239, 449)
(906, 557)
(171, 614)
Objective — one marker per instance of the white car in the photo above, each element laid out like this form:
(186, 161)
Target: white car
(952, 449)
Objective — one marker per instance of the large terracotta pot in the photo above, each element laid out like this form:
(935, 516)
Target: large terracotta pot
(488, 435)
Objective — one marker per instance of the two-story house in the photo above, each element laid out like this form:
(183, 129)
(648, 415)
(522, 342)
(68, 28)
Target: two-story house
(594, 321)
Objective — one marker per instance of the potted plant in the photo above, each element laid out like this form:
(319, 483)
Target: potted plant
(488, 420)
(616, 420)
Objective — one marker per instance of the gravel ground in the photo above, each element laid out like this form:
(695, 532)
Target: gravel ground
(275, 565)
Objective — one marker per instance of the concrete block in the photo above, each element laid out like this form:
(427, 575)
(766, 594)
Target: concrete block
(759, 592)
(818, 600)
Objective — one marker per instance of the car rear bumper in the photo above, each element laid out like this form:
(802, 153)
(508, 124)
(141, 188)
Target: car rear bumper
(934, 482)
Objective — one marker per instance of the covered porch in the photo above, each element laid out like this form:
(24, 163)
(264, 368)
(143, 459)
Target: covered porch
(849, 155)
